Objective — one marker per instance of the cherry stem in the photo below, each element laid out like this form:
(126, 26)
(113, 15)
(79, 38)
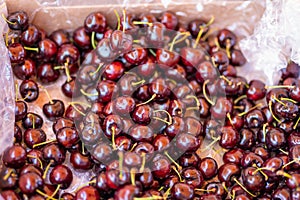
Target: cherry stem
(204, 190)
(10, 171)
(226, 79)
(283, 173)
(7, 21)
(225, 188)
(205, 94)
(6, 38)
(48, 95)
(88, 94)
(67, 71)
(47, 169)
(243, 187)
(33, 121)
(229, 118)
(161, 188)
(93, 40)
(250, 109)
(45, 195)
(145, 23)
(56, 190)
(296, 124)
(138, 83)
(143, 162)
(180, 39)
(132, 176)
(152, 52)
(43, 143)
(169, 116)
(217, 43)
(133, 146)
(178, 174)
(31, 48)
(291, 162)
(166, 194)
(173, 161)
(39, 160)
(228, 48)
(154, 197)
(80, 103)
(137, 41)
(82, 148)
(149, 100)
(113, 138)
(194, 97)
(124, 19)
(118, 18)
(17, 91)
(271, 111)
(284, 152)
(239, 98)
(73, 104)
(239, 107)
(288, 99)
(176, 37)
(260, 170)
(198, 37)
(120, 153)
(280, 86)
(212, 143)
(264, 130)
(275, 98)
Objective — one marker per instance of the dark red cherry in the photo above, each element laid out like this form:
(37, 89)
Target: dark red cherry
(250, 158)
(187, 142)
(104, 50)
(136, 56)
(288, 111)
(206, 71)
(34, 136)
(192, 57)
(106, 89)
(156, 35)
(220, 60)
(166, 58)
(19, 20)
(16, 53)
(87, 193)
(141, 133)
(115, 180)
(9, 195)
(70, 88)
(159, 88)
(254, 182)
(95, 22)
(229, 137)
(55, 153)
(294, 154)
(8, 182)
(30, 182)
(113, 71)
(54, 109)
(121, 41)
(208, 167)
(14, 156)
(30, 36)
(35, 157)
(256, 90)
(74, 112)
(102, 152)
(182, 191)
(227, 173)
(32, 120)
(275, 138)
(216, 188)
(161, 142)
(194, 27)
(20, 110)
(62, 123)
(29, 90)
(233, 156)
(67, 54)
(61, 175)
(169, 19)
(160, 166)
(255, 118)
(237, 58)
(47, 50)
(226, 37)
(126, 192)
(60, 37)
(247, 139)
(67, 196)
(282, 193)
(189, 160)
(47, 74)
(25, 70)
(67, 137)
(17, 134)
(221, 108)
(82, 38)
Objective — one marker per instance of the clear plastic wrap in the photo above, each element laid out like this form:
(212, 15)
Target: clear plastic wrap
(238, 16)
(7, 105)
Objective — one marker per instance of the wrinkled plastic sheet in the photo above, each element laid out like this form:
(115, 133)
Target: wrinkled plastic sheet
(264, 39)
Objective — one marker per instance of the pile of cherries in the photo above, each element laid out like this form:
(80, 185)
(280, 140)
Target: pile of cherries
(143, 98)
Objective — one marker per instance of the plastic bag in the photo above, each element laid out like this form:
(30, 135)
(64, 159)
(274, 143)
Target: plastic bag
(7, 105)
(238, 16)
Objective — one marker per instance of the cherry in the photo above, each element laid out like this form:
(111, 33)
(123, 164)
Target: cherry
(281, 193)
(155, 35)
(67, 137)
(67, 54)
(106, 89)
(121, 41)
(220, 60)
(226, 35)
(161, 142)
(17, 53)
(127, 23)
(47, 50)
(166, 58)
(113, 71)
(33, 137)
(250, 158)
(192, 57)
(136, 56)
(61, 175)
(228, 172)
(54, 109)
(233, 156)
(255, 118)
(19, 20)
(30, 182)
(35, 157)
(30, 36)
(29, 90)
(141, 133)
(187, 142)
(206, 71)
(256, 90)
(237, 58)
(26, 70)
(9, 194)
(193, 126)
(54, 153)
(74, 112)
(254, 182)
(221, 108)
(177, 108)
(194, 27)
(9, 182)
(216, 188)
(160, 166)
(70, 88)
(286, 109)
(102, 152)
(32, 120)
(82, 38)
(47, 74)
(87, 193)
(115, 180)
(247, 139)
(104, 50)
(159, 88)
(189, 160)
(208, 167)
(17, 134)
(20, 110)
(60, 37)
(146, 17)
(95, 22)
(182, 191)
(126, 192)
(261, 151)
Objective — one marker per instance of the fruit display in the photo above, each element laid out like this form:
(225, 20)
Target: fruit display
(137, 105)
